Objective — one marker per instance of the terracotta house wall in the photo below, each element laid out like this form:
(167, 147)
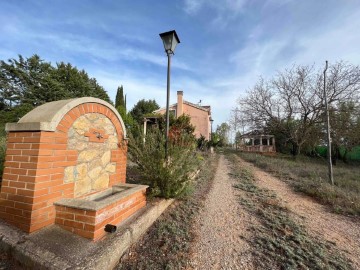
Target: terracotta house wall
(180, 103)
(199, 118)
(33, 176)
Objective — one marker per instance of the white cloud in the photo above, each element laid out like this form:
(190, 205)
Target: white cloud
(218, 96)
(225, 10)
(158, 59)
(95, 48)
(270, 35)
(234, 6)
(135, 87)
(261, 57)
(192, 6)
(277, 3)
(334, 44)
(265, 56)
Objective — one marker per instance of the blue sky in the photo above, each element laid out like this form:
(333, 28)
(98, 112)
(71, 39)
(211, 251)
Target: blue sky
(225, 44)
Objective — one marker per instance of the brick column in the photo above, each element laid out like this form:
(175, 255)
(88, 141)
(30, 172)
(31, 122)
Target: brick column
(33, 178)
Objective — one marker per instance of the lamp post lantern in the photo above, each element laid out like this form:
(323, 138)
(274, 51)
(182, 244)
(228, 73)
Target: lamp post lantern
(170, 40)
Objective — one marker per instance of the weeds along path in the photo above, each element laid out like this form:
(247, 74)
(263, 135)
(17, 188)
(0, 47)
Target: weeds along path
(167, 244)
(222, 227)
(339, 230)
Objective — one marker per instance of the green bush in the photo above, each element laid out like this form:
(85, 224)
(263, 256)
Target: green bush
(202, 143)
(166, 178)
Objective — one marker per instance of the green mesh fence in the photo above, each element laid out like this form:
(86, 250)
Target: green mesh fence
(352, 155)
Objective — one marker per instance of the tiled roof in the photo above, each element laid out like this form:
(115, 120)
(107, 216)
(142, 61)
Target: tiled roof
(256, 133)
(203, 108)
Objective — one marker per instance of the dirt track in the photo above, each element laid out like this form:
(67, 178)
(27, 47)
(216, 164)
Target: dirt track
(337, 229)
(223, 225)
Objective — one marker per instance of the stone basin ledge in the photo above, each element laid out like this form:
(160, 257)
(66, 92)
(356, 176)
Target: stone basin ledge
(111, 195)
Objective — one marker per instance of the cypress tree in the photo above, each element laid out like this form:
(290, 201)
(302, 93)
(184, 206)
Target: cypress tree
(119, 100)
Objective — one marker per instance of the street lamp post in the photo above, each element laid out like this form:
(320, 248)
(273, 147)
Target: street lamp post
(170, 40)
(211, 134)
(330, 169)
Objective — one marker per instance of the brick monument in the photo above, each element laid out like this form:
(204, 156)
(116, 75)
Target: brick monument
(66, 164)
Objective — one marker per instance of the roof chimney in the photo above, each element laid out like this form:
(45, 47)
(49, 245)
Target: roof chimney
(179, 110)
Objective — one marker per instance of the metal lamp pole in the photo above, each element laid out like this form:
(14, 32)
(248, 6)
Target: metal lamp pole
(167, 104)
(330, 169)
(170, 40)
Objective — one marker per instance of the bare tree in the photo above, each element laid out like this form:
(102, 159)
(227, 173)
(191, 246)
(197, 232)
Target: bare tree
(237, 123)
(292, 102)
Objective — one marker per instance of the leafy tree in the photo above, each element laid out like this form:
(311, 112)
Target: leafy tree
(178, 126)
(215, 140)
(223, 132)
(78, 84)
(345, 129)
(129, 122)
(237, 138)
(29, 82)
(142, 108)
(181, 124)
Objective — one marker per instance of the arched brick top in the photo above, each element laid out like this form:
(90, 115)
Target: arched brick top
(71, 116)
(51, 116)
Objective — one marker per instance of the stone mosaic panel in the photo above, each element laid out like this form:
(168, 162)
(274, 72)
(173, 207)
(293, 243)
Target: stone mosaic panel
(94, 167)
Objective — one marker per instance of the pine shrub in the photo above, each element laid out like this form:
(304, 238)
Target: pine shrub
(167, 177)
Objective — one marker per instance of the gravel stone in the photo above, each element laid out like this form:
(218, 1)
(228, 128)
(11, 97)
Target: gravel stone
(221, 227)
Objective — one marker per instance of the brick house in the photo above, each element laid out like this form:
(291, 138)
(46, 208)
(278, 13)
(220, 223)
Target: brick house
(200, 115)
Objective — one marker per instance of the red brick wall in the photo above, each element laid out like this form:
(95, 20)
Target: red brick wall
(34, 170)
(90, 224)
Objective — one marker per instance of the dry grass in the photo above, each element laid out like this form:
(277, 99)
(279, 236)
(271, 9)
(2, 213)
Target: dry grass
(278, 241)
(309, 175)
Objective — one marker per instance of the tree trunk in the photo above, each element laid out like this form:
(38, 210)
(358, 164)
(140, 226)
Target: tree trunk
(344, 157)
(295, 149)
(335, 154)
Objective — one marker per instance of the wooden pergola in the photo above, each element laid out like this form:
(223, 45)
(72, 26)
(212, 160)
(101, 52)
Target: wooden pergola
(257, 142)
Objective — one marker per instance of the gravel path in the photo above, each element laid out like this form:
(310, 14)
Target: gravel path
(220, 228)
(344, 232)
